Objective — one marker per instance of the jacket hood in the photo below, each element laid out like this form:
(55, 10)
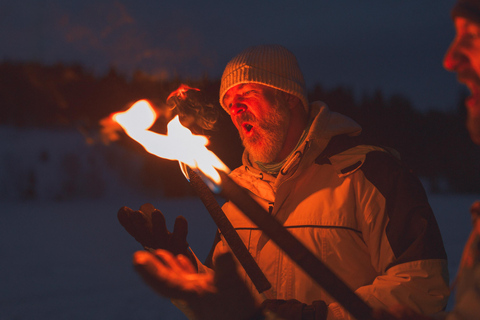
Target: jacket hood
(327, 124)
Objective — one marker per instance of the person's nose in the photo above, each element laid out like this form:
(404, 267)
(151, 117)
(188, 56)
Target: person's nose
(237, 106)
(453, 57)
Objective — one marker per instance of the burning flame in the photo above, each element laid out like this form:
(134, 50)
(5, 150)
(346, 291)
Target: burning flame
(179, 143)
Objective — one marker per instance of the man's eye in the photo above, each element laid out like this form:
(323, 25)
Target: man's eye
(473, 33)
(246, 93)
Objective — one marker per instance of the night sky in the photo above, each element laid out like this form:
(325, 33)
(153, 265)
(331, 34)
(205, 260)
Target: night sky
(396, 46)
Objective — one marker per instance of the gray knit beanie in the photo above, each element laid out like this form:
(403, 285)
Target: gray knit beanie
(469, 9)
(270, 65)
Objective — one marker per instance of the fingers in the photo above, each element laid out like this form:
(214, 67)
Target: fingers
(186, 264)
(138, 225)
(159, 230)
(153, 272)
(165, 261)
(126, 217)
(145, 261)
(179, 236)
(148, 226)
(176, 263)
(170, 276)
(180, 229)
(142, 225)
(123, 218)
(147, 208)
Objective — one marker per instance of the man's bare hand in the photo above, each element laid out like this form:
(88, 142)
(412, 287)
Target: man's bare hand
(221, 295)
(172, 277)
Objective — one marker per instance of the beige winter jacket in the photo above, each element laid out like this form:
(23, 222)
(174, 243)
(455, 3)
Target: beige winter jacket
(361, 212)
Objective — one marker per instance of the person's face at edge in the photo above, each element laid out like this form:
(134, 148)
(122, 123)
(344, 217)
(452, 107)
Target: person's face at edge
(262, 118)
(463, 58)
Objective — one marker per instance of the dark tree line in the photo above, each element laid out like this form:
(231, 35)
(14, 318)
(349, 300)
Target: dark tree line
(435, 144)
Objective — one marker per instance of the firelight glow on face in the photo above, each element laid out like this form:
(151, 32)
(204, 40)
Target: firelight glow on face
(261, 119)
(463, 57)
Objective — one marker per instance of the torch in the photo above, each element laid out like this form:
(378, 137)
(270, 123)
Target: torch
(236, 244)
(181, 145)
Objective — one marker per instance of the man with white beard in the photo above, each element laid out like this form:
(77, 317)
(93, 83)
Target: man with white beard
(353, 204)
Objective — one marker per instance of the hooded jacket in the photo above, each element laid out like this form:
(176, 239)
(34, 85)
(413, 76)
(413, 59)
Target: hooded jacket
(357, 209)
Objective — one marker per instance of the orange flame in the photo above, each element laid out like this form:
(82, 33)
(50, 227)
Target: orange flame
(179, 143)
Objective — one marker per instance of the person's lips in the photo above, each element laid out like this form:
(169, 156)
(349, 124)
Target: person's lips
(470, 78)
(246, 124)
(467, 76)
(247, 128)
(473, 101)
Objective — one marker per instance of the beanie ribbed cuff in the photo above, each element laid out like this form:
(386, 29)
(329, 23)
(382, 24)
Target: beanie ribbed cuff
(270, 65)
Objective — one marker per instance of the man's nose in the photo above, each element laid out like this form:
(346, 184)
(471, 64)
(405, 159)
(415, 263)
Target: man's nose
(237, 107)
(452, 57)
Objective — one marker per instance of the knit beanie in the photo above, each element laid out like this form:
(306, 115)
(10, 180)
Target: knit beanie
(469, 9)
(270, 65)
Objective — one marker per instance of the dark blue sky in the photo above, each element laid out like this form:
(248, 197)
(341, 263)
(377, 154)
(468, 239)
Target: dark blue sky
(393, 45)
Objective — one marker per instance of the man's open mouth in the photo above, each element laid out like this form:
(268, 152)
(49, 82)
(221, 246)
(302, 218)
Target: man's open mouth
(473, 101)
(247, 127)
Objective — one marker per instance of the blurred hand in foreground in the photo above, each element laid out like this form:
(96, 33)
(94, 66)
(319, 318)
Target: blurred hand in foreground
(222, 295)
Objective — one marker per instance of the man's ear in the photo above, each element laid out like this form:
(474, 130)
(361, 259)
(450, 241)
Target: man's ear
(293, 101)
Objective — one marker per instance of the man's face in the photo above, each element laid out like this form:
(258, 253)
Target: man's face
(261, 117)
(463, 57)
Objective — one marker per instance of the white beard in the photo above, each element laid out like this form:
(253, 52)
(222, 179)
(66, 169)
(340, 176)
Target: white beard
(269, 135)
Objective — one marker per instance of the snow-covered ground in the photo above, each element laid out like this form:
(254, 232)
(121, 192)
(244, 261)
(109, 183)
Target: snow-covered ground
(65, 256)
(72, 260)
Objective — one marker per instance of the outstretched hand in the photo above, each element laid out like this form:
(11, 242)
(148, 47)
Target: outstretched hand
(220, 295)
(172, 277)
(210, 296)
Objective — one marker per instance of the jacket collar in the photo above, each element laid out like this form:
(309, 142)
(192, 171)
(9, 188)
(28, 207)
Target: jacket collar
(325, 125)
